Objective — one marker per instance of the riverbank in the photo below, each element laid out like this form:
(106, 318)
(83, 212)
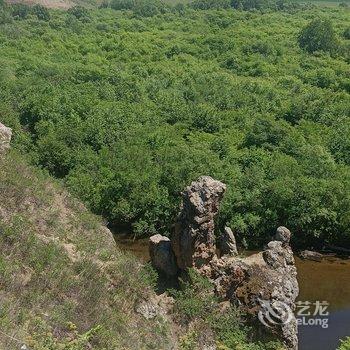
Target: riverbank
(326, 280)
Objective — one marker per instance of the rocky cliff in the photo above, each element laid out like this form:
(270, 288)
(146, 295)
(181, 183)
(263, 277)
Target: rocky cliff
(264, 285)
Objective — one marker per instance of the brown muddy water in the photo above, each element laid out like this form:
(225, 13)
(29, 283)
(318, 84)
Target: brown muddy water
(326, 281)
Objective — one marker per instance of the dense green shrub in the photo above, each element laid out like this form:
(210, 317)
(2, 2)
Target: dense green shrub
(195, 303)
(122, 4)
(5, 17)
(210, 4)
(250, 4)
(141, 8)
(79, 12)
(149, 8)
(20, 11)
(195, 298)
(41, 12)
(318, 35)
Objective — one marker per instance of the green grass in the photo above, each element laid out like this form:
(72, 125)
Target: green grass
(197, 307)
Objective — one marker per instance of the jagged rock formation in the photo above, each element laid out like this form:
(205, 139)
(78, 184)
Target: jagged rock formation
(264, 284)
(193, 239)
(5, 138)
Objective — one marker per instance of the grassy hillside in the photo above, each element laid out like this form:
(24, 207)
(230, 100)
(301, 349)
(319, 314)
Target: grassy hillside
(65, 285)
(128, 107)
(63, 281)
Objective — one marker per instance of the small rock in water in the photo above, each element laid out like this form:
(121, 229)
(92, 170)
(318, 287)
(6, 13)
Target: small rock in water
(311, 255)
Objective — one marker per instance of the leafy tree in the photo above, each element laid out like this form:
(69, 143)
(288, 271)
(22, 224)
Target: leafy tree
(140, 107)
(104, 4)
(210, 4)
(318, 35)
(20, 11)
(80, 13)
(122, 4)
(149, 8)
(5, 16)
(250, 4)
(41, 12)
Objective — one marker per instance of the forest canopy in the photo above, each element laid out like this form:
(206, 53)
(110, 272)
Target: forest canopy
(129, 103)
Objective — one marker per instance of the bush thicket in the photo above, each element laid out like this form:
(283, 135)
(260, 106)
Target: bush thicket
(318, 35)
(128, 110)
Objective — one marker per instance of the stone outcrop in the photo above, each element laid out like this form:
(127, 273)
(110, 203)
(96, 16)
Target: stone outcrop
(227, 243)
(283, 289)
(264, 285)
(5, 138)
(193, 239)
(162, 256)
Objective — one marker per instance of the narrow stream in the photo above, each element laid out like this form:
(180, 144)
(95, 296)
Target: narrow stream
(327, 281)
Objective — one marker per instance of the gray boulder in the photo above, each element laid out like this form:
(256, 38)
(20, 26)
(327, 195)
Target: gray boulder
(162, 256)
(282, 234)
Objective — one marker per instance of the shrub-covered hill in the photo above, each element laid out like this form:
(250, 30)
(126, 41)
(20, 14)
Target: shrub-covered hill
(128, 107)
(63, 282)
